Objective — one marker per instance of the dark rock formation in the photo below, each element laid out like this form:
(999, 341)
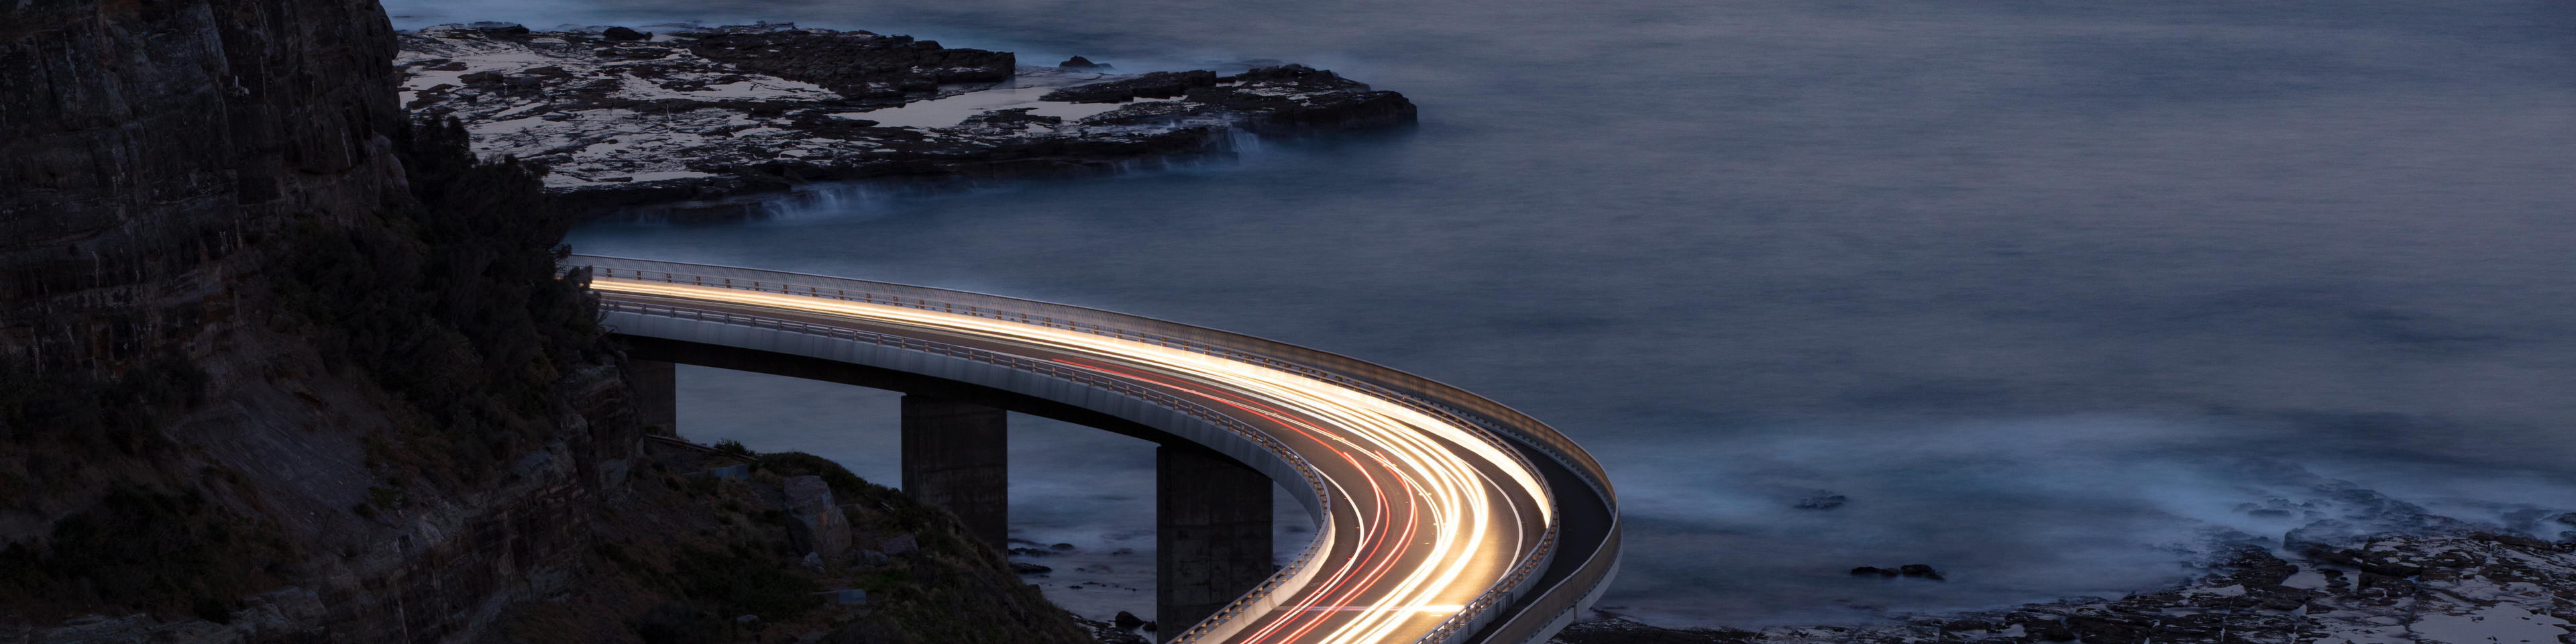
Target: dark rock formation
(1153, 85)
(706, 553)
(711, 123)
(1294, 97)
(1826, 502)
(816, 524)
(1079, 62)
(1108, 633)
(213, 261)
(854, 64)
(2463, 590)
(622, 34)
(278, 365)
(140, 143)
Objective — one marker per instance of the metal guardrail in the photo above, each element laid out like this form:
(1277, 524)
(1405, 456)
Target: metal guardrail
(1420, 394)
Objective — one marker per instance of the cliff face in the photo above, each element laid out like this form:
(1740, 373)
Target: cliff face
(252, 386)
(143, 141)
(278, 365)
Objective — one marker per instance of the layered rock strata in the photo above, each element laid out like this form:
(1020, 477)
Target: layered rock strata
(277, 365)
(185, 454)
(706, 122)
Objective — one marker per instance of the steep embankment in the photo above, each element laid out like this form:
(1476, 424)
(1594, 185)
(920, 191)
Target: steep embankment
(258, 373)
(276, 366)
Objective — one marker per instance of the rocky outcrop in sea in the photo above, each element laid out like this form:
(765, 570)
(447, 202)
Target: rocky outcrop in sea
(2474, 588)
(708, 122)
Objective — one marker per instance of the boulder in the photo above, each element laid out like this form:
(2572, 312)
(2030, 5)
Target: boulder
(1126, 620)
(2105, 630)
(899, 544)
(1079, 62)
(2048, 630)
(625, 34)
(816, 524)
(1919, 570)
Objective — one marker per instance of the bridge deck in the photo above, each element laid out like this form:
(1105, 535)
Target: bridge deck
(1442, 516)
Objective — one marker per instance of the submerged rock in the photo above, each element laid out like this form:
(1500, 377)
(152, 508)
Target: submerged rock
(1827, 502)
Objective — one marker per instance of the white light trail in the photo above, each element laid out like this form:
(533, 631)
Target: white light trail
(1443, 547)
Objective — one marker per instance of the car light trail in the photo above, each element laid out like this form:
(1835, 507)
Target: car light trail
(1439, 513)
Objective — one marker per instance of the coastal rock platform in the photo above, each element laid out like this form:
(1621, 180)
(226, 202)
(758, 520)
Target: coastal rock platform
(690, 122)
(2475, 588)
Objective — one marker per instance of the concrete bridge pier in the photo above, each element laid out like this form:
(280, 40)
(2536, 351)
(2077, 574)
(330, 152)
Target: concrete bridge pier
(1211, 534)
(657, 395)
(956, 456)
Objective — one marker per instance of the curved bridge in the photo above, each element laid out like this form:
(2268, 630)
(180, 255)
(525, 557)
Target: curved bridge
(1440, 516)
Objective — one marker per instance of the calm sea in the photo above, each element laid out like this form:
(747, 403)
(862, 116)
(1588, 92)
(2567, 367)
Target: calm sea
(2055, 295)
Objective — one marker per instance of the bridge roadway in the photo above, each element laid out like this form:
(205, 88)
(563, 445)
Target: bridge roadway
(1440, 516)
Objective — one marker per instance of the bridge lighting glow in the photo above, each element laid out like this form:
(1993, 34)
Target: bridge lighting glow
(1417, 609)
(1441, 513)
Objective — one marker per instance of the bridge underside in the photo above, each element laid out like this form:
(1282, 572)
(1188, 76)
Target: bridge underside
(1212, 514)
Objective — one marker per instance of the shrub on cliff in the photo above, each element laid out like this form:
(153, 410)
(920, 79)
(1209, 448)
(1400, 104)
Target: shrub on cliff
(447, 299)
(143, 550)
(451, 302)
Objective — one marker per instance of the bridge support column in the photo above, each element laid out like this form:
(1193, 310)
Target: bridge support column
(1211, 535)
(657, 395)
(956, 456)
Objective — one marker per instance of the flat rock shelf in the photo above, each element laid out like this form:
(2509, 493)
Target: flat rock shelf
(2476, 588)
(695, 123)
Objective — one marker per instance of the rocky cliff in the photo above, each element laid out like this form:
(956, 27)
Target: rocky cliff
(278, 364)
(257, 385)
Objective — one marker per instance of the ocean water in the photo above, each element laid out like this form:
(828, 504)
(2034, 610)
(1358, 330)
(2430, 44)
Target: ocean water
(2057, 296)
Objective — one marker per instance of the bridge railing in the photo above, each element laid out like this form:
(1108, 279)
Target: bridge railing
(1412, 391)
(1314, 479)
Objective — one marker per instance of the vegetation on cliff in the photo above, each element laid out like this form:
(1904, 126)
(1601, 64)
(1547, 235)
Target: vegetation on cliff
(277, 365)
(694, 558)
(447, 300)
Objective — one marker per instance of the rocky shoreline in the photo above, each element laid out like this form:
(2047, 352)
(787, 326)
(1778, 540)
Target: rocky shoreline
(695, 123)
(2474, 588)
